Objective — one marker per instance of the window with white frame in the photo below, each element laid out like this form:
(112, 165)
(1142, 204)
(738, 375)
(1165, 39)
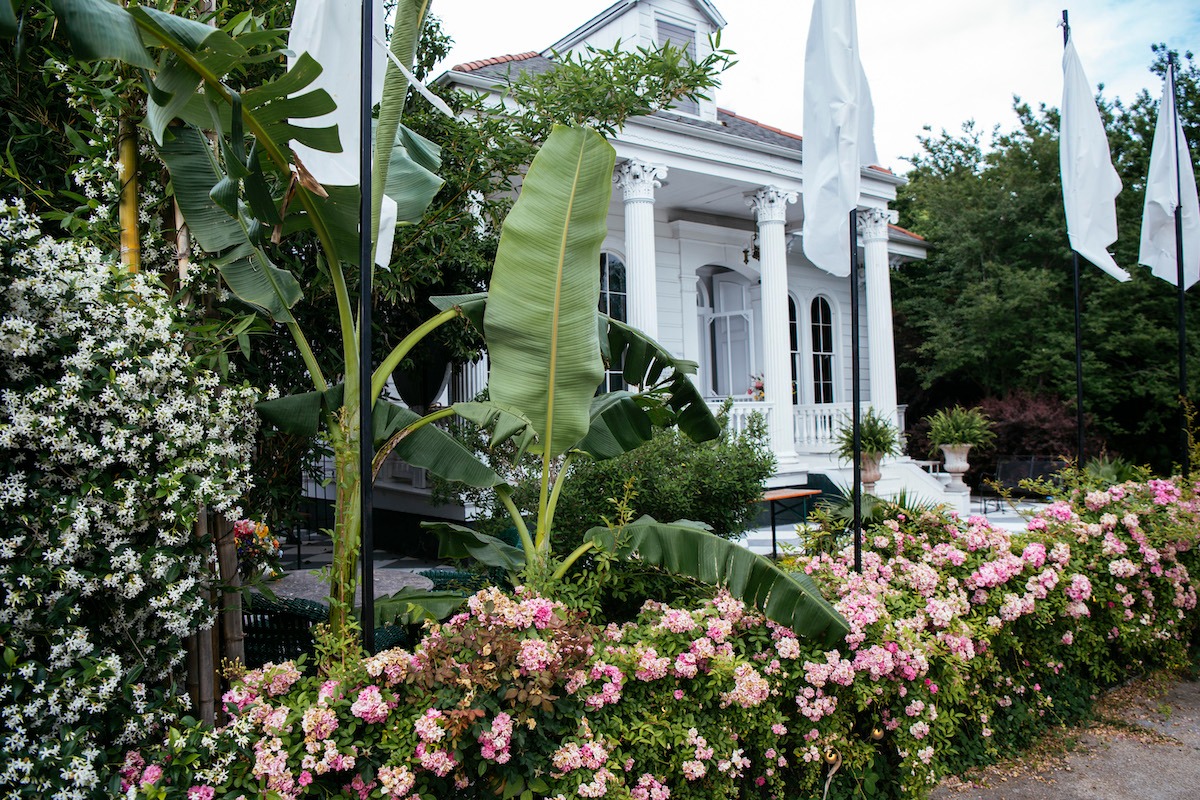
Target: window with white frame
(684, 37)
(822, 350)
(794, 347)
(613, 302)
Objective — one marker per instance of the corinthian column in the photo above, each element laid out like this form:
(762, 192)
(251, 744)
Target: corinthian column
(638, 181)
(770, 207)
(873, 224)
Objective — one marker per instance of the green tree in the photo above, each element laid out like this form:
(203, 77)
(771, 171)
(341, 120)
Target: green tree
(990, 311)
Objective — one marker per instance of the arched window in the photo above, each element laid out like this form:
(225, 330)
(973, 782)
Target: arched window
(794, 347)
(613, 299)
(822, 350)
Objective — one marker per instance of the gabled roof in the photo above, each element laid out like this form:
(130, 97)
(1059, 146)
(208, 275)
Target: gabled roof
(617, 9)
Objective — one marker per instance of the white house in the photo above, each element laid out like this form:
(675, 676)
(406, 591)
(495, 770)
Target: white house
(704, 254)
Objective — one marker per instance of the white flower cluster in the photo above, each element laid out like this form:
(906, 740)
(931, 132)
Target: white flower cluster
(111, 439)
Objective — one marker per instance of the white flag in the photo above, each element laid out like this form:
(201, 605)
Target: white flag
(838, 133)
(1165, 187)
(331, 32)
(1090, 184)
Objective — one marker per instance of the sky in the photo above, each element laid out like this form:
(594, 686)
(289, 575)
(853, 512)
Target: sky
(928, 62)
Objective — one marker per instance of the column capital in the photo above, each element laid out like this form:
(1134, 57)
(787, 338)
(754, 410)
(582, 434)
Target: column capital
(770, 203)
(873, 222)
(638, 179)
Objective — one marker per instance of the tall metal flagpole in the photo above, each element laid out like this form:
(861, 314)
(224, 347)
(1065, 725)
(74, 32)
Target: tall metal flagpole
(855, 391)
(1078, 316)
(1183, 384)
(365, 427)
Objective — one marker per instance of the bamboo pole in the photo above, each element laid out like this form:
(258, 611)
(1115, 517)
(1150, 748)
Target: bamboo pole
(205, 660)
(127, 209)
(233, 639)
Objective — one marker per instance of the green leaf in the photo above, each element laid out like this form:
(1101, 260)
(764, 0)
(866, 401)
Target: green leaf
(8, 19)
(430, 447)
(503, 424)
(789, 599)
(472, 306)
(99, 29)
(458, 541)
(245, 267)
(300, 414)
(619, 425)
(540, 322)
(412, 606)
(412, 180)
(644, 362)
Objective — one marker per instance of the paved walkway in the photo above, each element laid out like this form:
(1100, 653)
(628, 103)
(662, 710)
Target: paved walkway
(1145, 746)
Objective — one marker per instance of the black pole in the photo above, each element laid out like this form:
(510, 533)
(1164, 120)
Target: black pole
(365, 440)
(1078, 364)
(1179, 273)
(1078, 317)
(855, 391)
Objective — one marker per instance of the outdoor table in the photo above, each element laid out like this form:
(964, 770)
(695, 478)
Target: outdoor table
(781, 496)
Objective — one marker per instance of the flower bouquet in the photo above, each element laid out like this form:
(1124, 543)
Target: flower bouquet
(258, 551)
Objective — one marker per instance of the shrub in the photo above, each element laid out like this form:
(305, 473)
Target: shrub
(111, 439)
(965, 641)
(719, 483)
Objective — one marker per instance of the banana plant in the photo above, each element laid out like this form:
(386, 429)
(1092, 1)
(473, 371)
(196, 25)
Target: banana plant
(239, 185)
(546, 341)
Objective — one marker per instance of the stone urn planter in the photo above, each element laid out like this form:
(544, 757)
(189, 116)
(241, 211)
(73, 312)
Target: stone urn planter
(871, 471)
(955, 456)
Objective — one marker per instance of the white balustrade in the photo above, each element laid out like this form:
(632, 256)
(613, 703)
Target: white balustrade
(740, 411)
(817, 426)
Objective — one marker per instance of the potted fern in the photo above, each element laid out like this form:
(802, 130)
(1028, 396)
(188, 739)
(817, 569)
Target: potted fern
(955, 431)
(878, 438)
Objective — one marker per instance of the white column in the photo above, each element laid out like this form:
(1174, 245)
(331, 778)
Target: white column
(638, 181)
(770, 207)
(873, 224)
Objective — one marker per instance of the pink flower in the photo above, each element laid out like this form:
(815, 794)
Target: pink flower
(151, 775)
(370, 705)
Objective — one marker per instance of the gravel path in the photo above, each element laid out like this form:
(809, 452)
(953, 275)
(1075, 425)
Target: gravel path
(1146, 746)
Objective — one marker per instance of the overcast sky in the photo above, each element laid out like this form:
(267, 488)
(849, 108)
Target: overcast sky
(929, 62)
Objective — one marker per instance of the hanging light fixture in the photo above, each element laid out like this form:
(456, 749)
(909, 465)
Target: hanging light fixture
(751, 251)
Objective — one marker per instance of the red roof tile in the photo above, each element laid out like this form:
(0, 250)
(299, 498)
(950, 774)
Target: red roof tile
(761, 125)
(906, 232)
(471, 66)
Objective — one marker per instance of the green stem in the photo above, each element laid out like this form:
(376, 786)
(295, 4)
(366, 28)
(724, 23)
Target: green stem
(504, 492)
(393, 359)
(543, 528)
(306, 353)
(558, 484)
(576, 554)
(347, 326)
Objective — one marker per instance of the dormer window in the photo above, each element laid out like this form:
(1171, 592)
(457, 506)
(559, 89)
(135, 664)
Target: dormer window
(684, 37)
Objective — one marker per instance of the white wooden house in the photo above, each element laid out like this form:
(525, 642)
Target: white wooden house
(704, 254)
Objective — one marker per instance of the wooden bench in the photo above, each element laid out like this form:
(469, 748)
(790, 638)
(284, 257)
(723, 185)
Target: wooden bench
(781, 497)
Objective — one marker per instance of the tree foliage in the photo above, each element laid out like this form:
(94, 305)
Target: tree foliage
(990, 311)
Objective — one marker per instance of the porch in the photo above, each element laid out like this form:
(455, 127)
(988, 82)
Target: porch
(814, 426)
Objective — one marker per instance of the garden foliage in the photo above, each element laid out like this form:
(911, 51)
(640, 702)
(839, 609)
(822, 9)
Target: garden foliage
(111, 439)
(965, 640)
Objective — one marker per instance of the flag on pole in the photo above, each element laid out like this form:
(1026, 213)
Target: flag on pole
(1090, 184)
(1171, 180)
(838, 133)
(331, 32)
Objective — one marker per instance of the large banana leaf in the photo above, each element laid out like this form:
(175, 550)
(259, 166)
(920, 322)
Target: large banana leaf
(646, 363)
(428, 447)
(8, 19)
(790, 599)
(540, 322)
(407, 21)
(458, 541)
(244, 265)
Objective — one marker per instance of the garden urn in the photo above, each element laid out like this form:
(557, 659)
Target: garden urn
(956, 465)
(871, 471)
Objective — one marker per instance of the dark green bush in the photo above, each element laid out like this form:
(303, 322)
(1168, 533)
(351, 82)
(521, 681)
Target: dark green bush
(718, 482)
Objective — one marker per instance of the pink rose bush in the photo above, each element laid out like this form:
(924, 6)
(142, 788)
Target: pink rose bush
(964, 640)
